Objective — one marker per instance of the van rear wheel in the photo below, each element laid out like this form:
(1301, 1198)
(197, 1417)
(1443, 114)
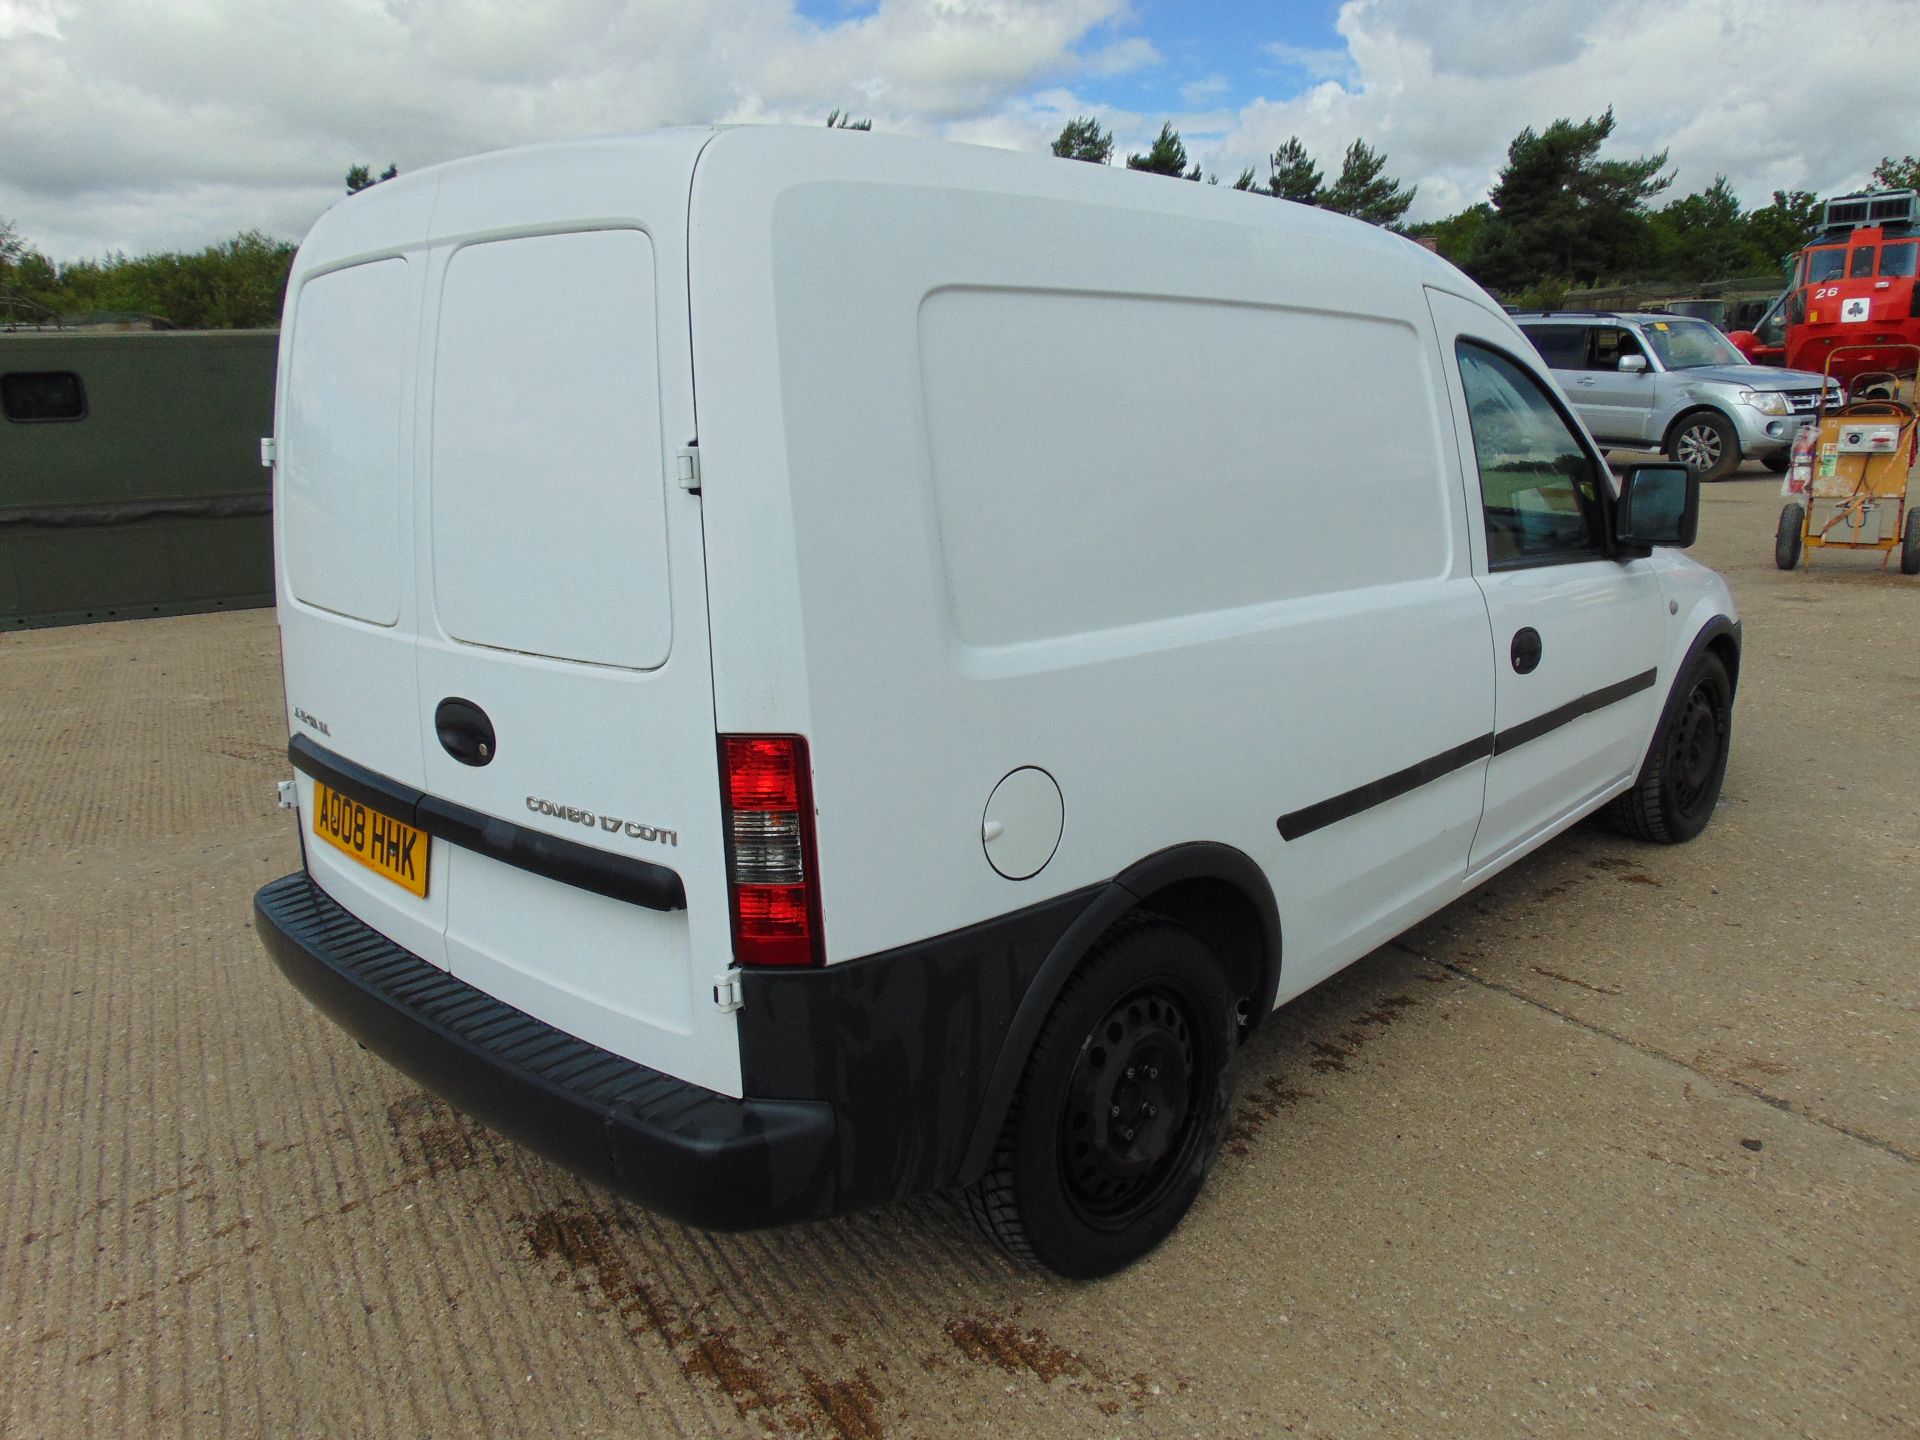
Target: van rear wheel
(1121, 1108)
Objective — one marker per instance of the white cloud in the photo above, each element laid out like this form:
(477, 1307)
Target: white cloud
(134, 126)
(1320, 64)
(1744, 88)
(1123, 57)
(1200, 91)
(138, 126)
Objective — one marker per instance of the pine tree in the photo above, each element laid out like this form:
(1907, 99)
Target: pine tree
(1166, 156)
(1294, 175)
(1081, 138)
(1562, 211)
(1364, 190)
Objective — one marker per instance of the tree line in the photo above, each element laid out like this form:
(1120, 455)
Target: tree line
(237, 284)
(1559, 216)
(1362, 189)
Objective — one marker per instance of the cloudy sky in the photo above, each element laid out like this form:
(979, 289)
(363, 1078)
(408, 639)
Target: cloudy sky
(159, 124)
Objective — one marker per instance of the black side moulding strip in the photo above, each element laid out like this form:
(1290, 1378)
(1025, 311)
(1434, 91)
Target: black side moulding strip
(1390, 787)
(1514, 736)
(620, 877)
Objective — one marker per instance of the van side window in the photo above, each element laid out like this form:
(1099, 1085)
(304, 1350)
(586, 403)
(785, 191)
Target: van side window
(42, 395)
(1609, 344)
(1538, 485)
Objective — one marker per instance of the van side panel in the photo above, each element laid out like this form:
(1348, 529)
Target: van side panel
(1152, 506)
(1042, 515)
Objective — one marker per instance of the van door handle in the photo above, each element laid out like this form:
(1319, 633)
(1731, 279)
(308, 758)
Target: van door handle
(465, 731)
(1584, 380)
(1526, 650)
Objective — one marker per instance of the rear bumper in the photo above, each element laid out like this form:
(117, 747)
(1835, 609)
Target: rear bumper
(676, 1148)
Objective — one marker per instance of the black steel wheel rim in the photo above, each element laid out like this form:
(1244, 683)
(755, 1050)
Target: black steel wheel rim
(1693, 752)
(1133, 1109)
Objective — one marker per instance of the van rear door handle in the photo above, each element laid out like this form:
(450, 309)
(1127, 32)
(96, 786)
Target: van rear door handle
(465, 731)
(1526, 650)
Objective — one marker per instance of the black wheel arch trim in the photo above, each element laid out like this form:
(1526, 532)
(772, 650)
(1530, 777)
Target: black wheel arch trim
(1719, 628)
(1195, 860)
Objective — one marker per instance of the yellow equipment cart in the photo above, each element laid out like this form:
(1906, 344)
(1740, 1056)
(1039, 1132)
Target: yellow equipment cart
(1847, 485)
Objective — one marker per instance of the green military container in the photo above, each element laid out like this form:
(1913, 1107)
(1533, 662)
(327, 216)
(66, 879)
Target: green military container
(130, 476)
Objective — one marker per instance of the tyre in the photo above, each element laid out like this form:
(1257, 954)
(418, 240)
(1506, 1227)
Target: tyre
(1910, 544)
(1786, 539)
(1706, 443)
(1121, 1107)
(1679, 784)
(1777, 460)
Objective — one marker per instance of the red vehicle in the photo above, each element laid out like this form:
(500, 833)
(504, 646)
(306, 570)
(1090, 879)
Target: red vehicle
(1853, 285)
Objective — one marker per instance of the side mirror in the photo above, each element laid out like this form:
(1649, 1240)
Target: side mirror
(1659, 505)
(1633, 365)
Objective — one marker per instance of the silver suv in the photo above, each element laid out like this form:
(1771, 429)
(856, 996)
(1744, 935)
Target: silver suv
(1675, 384)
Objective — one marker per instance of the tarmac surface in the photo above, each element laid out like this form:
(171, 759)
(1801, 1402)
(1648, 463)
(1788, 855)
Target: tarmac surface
(1625, 1143)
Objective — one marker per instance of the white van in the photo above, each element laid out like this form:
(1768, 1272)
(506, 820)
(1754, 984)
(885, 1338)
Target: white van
(823, 666)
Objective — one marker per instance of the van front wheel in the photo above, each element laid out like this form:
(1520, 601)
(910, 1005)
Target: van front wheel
(1680, 782)
(1120, 1111)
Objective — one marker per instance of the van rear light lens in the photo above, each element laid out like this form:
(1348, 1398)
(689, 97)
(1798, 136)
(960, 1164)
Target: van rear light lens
(773, 887)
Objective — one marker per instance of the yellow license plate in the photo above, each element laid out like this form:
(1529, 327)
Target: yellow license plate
(383, 844)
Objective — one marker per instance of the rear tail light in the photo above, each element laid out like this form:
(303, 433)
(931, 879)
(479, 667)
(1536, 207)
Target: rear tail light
(773, 885)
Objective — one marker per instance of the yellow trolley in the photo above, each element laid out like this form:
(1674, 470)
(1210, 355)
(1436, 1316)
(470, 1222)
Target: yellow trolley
(1847, 485)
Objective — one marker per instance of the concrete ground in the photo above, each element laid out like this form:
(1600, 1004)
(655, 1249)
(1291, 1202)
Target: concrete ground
(1626, 1143)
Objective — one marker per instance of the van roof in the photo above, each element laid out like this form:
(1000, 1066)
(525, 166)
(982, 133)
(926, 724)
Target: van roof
(1615, 317)
(967, 166)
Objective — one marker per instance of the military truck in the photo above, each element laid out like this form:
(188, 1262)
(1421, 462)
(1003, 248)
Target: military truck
(130, 477)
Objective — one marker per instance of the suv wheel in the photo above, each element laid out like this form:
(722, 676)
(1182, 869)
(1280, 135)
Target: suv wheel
(1706, 443)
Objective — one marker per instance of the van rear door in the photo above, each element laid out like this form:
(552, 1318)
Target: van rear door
(562, 591)
(344, 528)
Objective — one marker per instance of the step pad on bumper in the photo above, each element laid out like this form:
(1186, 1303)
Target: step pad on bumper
(676, 1148)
